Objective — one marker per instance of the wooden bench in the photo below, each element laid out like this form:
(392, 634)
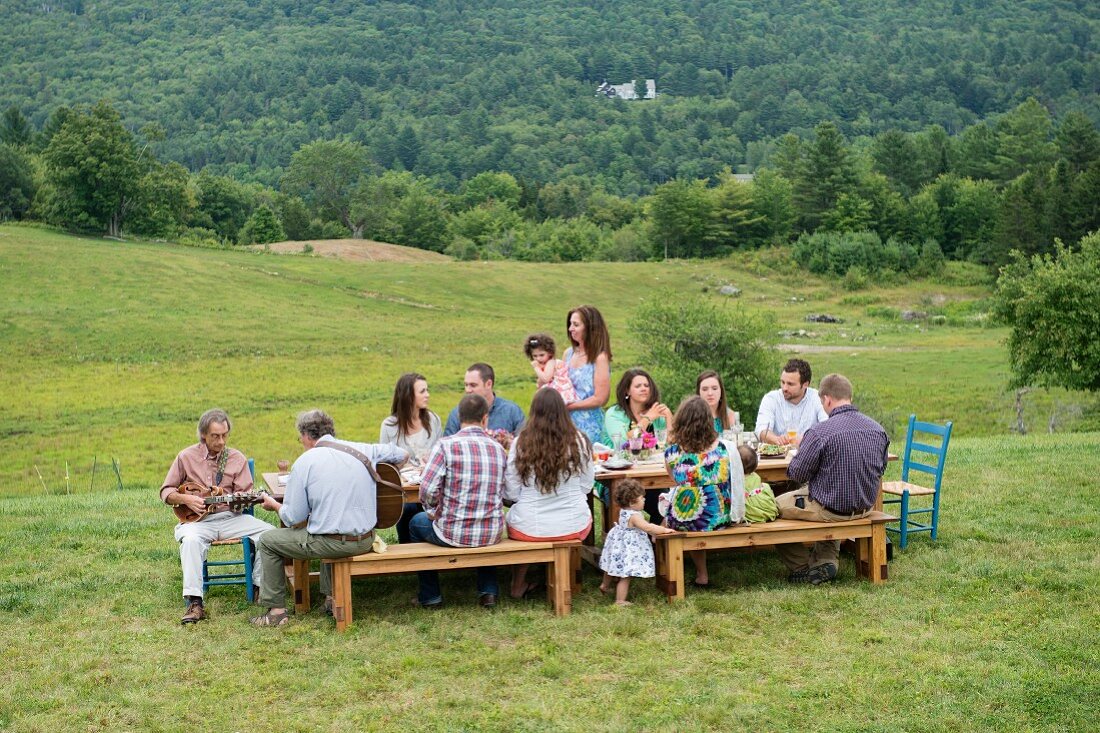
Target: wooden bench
(563, 560)
(869, 533)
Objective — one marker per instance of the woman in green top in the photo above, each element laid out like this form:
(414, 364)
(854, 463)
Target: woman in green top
(708, 385)
(637, 401)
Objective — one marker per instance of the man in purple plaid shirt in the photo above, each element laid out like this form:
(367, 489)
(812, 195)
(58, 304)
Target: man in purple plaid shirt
(843, 460)
(461, 491)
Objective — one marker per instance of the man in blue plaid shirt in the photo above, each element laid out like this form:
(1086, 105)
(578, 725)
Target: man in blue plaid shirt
(461, 490)
(843, 460)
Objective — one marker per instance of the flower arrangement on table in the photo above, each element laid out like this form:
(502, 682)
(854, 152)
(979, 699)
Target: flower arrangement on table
(639, 443)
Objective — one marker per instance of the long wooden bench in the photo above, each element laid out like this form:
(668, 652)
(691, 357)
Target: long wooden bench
(563, 560)
(869, 534)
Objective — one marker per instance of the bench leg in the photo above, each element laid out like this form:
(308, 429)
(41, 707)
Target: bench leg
(575, 568)
(300, 574)
(878, 554)
(670, 568)
(559, 581)
(341, 594)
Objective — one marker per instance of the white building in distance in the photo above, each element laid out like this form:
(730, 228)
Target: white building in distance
(628, 90)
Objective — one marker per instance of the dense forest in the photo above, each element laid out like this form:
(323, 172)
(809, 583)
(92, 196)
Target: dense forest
(451, 88)
(881, 137)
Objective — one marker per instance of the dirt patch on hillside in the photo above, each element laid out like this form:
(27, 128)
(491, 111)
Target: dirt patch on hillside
(357, 250)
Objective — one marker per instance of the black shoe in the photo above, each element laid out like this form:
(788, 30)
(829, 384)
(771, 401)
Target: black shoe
(799, 576)
(822, 574)
(487, 600)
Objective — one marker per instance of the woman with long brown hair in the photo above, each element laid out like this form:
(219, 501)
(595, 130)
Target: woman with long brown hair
(589, 363)
(412, 426)
(709, 386)
(550, 472)
(706, 474)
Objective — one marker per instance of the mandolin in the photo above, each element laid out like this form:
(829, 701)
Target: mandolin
(213, 497)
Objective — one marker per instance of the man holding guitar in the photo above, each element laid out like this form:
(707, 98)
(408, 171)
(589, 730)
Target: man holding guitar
(333, 492)
(208, 485)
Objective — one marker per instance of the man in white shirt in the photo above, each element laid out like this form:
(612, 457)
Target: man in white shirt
(794, 406)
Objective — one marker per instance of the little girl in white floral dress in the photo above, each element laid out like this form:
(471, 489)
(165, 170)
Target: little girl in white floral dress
(628, 549)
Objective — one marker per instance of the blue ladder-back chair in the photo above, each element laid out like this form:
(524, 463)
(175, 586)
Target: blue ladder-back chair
(933, 440)
(244, 577)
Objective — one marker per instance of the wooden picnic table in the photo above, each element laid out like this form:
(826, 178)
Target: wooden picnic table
(653, 476)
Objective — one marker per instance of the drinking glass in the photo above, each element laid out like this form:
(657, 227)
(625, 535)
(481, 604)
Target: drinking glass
(792, 433)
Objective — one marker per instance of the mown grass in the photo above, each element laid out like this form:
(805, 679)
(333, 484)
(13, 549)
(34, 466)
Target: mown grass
(995, 626)
(112, 349)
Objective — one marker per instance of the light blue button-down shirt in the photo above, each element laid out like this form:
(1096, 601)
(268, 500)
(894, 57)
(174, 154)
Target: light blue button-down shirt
(334, 490)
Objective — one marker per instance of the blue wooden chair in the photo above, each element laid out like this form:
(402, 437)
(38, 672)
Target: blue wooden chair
(244, 576)
(935, 447)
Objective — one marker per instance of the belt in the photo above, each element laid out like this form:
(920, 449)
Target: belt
(349, 537)
(851, 515)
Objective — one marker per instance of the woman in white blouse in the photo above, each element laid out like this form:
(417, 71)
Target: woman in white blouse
(412, 426)
(550, 472)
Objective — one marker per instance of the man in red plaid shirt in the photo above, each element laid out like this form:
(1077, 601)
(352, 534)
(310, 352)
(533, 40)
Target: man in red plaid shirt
(461, 491)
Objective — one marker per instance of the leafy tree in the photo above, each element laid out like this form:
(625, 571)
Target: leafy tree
(167, 199)
(1084, 206)
(852, 213)
(1052, 303)
(826, 172)
(16, 183)
(679, 212)
(486, 220)
(689, 334)
(262, 227)
(93, 169)
(223, 205)
(897, 157)
(772, 200)
(1024, 139)
(408, 147)
(489, 187)
(53, 124)
(734, 220)
(326, 175)
(14, 128)
(1078, 141)
(422, 219)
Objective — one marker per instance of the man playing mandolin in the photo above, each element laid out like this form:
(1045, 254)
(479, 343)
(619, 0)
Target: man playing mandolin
(204, 471)
(334, 494)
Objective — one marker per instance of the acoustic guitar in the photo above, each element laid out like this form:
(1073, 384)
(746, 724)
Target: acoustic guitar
(391, 499)
(212, 496)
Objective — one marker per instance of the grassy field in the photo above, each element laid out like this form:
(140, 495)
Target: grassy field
(111, 350)
(993, 627)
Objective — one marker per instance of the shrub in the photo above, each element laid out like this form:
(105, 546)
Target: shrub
(689, 334)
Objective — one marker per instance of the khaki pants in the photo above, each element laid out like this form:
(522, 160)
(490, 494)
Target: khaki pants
(275, 545)
(797, 556)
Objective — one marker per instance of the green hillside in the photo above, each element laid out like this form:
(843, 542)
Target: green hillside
(113, 349)
(448, 89)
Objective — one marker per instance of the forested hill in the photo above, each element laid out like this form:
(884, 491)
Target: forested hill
(451, 88)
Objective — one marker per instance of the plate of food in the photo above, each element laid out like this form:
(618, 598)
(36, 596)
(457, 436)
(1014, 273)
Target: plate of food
(767, 450)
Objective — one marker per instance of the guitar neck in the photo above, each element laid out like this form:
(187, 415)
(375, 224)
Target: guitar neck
(233, 498)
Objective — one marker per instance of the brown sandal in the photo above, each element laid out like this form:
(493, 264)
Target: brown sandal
(271, 619)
